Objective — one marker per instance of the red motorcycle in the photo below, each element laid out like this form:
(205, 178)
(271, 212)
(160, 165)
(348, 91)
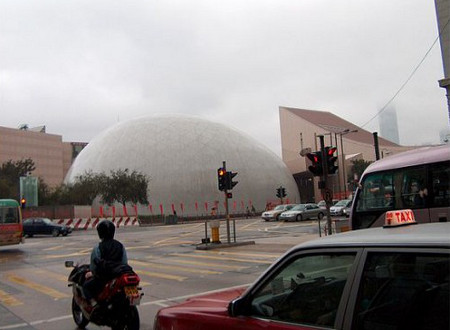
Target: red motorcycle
(116, 303)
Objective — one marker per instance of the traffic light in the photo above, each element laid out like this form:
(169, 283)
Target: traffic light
(279, 192)
(316, 163)
(221, 177)
(229, 180)
(23, 202)
(331, 159)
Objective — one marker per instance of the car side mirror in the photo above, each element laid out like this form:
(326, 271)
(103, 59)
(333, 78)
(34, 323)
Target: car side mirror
(69, 264)
(236, 307)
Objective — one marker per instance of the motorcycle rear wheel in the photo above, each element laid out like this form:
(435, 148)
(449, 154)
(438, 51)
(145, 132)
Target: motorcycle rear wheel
(131, 320)
(80, 320)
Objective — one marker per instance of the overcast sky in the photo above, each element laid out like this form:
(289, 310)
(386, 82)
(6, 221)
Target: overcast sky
(79, 66)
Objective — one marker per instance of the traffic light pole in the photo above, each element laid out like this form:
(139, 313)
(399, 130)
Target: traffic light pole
(325, 190)
(227, 215)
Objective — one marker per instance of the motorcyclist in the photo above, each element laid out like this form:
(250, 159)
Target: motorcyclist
(106, 257)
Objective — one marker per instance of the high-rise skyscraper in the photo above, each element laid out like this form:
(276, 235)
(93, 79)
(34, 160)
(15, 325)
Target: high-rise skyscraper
(388, 125)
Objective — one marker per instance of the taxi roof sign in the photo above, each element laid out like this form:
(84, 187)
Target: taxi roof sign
(399, 218)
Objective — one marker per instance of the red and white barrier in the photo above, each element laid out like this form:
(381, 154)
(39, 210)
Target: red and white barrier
(89, 223)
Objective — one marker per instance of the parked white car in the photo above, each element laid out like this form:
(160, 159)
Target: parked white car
(339, 207)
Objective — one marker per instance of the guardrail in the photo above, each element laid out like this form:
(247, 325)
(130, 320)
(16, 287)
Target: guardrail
(91, 223)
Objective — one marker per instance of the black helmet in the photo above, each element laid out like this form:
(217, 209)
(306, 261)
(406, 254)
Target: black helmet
(106, 229)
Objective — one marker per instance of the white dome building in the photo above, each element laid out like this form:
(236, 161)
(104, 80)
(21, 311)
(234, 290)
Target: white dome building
(180, 155)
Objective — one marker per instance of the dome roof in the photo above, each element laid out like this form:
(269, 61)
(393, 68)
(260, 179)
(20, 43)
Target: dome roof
(180, 155)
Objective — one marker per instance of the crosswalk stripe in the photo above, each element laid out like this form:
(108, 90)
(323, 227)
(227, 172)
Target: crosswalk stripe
(221, 258)
(38, 287)
(176, 268)
(8, 299)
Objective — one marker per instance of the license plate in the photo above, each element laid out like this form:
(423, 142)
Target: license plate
(131, 290)
(133, 295)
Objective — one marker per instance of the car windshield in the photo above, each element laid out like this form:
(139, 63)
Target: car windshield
(342, 203)
(47, 221)
(299, 207)
(280, 207)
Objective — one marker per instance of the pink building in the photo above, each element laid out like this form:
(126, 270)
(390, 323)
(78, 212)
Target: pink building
(52, 157)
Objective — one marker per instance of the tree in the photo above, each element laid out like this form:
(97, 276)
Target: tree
(123, 187)
(87, 187)
(10, 173)
(358, 167)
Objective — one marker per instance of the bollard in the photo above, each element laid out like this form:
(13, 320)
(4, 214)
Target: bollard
(215, 224)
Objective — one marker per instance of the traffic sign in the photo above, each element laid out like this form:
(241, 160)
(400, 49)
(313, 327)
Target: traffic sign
(328, 196)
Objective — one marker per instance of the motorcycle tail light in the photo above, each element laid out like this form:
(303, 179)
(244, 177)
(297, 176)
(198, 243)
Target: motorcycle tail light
(131, 279)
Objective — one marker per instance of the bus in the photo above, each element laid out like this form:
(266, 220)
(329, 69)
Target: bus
(416, 179)
(11, 229)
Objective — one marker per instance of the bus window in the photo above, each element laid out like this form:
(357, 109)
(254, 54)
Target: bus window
(416, 179)
(414, 189)
(378, 192)
(440, 185)
(9, 215)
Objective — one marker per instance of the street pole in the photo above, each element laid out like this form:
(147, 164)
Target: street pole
(344, 179)
(339, 173)
(325, 185)
(375, 142)
(227, 216)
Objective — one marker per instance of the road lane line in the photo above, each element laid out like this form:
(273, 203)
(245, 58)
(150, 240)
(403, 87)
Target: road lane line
(76, 254)
(161, 275)
(244, 254)
(206, 264)
(250, 224)
(221, 258)
(177, 268)
(51, 274)
(37, 287)
(8, 299)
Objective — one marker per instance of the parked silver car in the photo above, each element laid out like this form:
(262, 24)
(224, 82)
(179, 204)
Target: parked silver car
(339, 207)
(302, 212)
(275, 213)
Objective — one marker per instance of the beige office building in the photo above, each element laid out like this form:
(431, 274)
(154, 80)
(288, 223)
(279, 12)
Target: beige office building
(299, 134)
(52, 157)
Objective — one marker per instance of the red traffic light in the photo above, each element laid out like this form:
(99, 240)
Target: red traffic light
(316, 163)
(331, 160)
(331, 151)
